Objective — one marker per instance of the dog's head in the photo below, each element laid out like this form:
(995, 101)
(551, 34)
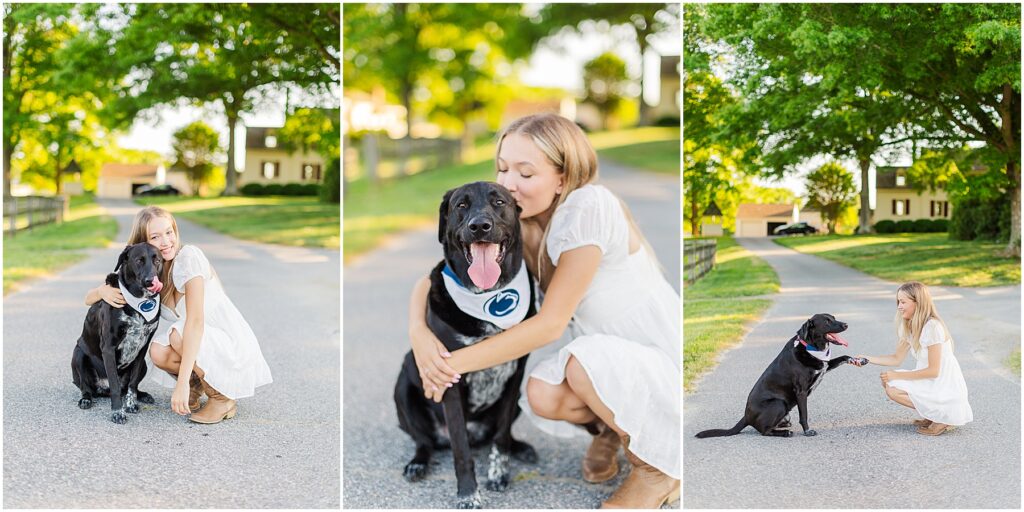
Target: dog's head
(138, 268)
(479, 228)
(822, 329)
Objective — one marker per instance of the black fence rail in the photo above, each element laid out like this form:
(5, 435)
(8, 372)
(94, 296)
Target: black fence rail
(25, 212)
(698, 258)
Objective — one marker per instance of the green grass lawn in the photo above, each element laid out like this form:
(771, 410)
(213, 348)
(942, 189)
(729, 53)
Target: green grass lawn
(375, 211)
(715, 312)
(299, 221)
(1013, 362)
(659, 156)
(49, 248)
(931, 258)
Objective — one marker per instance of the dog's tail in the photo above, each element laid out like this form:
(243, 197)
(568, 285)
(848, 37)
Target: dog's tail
(719, 432)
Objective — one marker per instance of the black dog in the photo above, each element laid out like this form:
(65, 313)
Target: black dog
(110, 357)
(479, 229)
(790, 379)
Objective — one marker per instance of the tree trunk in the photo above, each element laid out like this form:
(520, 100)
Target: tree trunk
(8, 153)
(1013, 171)
(57, 173)
(864, 218)
(694, 219)
(230, 186)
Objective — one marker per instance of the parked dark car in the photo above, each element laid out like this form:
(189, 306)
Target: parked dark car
(157, 190)
(797, 228)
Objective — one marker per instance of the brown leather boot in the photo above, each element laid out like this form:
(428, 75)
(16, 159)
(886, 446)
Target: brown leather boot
(601, 463)
(195, 392)
(218, 407)
(645, 487)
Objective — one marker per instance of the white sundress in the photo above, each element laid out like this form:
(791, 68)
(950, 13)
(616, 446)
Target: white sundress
(625, 331)
(944, 398)
(229, 354)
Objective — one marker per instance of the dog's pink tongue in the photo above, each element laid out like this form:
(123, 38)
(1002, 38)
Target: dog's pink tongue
(840, 339)
(484, 271)
(156, 286)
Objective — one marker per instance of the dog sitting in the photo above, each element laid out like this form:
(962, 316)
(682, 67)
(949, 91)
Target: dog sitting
(481, 288)
(790, 379)
(110, 356)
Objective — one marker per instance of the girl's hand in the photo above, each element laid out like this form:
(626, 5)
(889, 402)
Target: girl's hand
(885, 376)
(438, 394)
(179, 399)
(859, 360)
(112, 296)
(430, 355)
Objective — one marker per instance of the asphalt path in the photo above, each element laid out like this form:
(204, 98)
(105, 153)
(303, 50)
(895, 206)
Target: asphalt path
(376, 291)
(282, 450)
(866, 453)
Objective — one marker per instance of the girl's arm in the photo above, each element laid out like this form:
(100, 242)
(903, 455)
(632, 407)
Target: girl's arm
(572, 277)
(892, 359)
(190, 340)
(106, 293)
(428, 351)
(931, 372)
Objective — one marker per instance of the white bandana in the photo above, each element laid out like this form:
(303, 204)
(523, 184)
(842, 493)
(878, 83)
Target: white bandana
(822, 355)
(149, 308)
(504, 307)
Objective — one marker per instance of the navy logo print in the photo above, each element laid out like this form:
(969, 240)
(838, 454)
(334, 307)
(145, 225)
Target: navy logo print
(147, 305)
(502, 303)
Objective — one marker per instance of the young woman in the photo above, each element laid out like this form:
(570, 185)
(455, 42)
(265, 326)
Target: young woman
(202, 342)
(619, 375)
(936, 387)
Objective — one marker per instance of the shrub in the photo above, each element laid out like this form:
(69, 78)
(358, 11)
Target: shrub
(922, 226)
(252, 189)
(905, 226)
(885, 227)
(293, 189)
(331, 191)
(940, 225)
(977, 219)
(273, 189)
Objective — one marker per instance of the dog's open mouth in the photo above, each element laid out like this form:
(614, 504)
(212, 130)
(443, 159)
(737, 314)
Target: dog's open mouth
(484, 260)
(156, 286)
(834, 337)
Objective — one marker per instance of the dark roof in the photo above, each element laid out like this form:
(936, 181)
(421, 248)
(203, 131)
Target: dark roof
(256, 136)
(885, 177)
(712, 209)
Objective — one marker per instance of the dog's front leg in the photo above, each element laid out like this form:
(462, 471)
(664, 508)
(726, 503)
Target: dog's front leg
(498, 468)
(465, 469)
(834, 363)
(109, 351)
(801, 404)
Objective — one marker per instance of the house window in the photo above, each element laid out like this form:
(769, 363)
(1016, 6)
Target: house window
(311, 172)
(901, 207)
(270, 141)
(901, 181)
(271, 170)
(940, 208)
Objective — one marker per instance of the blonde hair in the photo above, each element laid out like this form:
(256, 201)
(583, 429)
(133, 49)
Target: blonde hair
(909, 331)
(140, 234)
(567, 148)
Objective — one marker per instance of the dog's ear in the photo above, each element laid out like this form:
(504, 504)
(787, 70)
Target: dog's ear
(112, 280)
(122, 257)
(442, 223)
(805, 331)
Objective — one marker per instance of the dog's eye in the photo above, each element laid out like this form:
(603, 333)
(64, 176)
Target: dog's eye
(462, 205)
(499, 202)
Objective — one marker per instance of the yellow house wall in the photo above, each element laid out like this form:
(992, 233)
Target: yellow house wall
(919, 204)
(290, 169)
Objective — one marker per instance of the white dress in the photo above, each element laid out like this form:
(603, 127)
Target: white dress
(625, 331)
(229, 354)
(944, 398)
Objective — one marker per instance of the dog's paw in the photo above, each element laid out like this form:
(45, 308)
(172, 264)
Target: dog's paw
(414, 471)
(85, 403)
(499, 484)
(103, 392)
(133, 408)
(471, 501)
(146, 398)
(119, 417)
(523, 452)
(810, 433)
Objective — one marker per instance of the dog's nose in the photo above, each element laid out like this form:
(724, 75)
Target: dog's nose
(480, 225)
(148, 282)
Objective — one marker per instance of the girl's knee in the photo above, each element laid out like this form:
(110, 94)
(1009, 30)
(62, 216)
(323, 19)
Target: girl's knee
(543, 398)
(159, 354)
(175, 340)
(575, 374)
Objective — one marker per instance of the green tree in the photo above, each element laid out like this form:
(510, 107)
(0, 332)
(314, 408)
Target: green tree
(830, 188)
(312, 129)
(605, 81)
(230, 55)
(196, 150)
